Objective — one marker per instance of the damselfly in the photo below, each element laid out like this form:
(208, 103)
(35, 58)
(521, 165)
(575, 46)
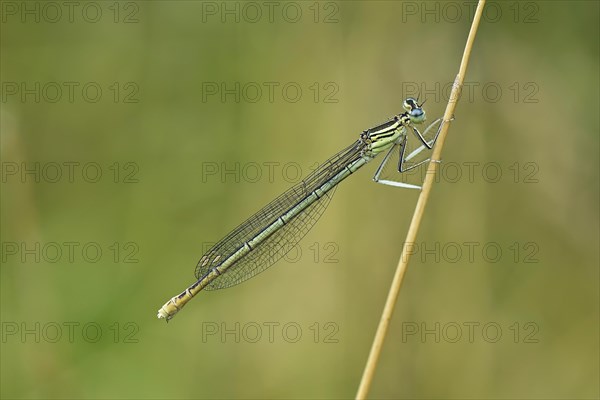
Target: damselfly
(269, 234)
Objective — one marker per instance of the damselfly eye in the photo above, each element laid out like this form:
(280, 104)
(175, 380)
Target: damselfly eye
(417, 115)
(410, 104)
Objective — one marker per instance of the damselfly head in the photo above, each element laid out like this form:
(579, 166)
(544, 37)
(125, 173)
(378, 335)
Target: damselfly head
(415, 112)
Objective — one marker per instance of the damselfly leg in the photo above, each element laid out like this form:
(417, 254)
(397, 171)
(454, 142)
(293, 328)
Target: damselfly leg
(405, 164)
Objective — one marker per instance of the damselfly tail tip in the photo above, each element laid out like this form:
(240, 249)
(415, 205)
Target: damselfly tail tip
(167, 311)
(161, 314)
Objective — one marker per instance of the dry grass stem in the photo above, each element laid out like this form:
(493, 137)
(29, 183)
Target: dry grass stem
(388, 310)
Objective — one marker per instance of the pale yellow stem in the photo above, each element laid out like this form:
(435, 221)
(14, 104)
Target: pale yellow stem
(388, 310)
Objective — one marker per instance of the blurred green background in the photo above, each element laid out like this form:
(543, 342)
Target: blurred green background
(501, 297)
